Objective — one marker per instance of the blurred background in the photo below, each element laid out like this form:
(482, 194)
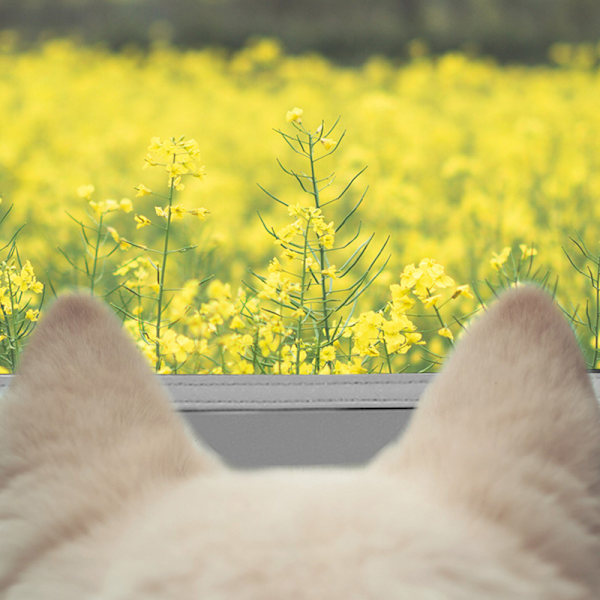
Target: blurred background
(477, 119)
(348, 31)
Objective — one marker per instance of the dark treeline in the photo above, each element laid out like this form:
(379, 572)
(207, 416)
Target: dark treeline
(344, 30)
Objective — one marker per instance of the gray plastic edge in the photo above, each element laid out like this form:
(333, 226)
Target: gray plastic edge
(295, 392)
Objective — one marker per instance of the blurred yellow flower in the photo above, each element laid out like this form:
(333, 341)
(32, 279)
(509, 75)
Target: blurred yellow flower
(445, 332)
(526, 251)
(126, 205)
(328, 353)
(32, 315)
(142, 190)
(201, 213)
(330, 272)
(462, 290)
(85, 191)
(294, 115)
(141, 221)
(327, 143)
(499, 259)
(430, 301)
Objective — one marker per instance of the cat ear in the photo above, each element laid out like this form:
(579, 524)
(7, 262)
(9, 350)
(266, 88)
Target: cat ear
(83, 389)
(515, 385)
(86, 432)
(508, 435)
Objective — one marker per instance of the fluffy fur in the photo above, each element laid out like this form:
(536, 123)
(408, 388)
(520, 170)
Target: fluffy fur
(493, 492)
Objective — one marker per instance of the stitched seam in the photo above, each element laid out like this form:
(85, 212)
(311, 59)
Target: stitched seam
(198, 384)
(299, 400)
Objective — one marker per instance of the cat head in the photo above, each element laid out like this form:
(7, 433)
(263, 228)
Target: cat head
(491, 492)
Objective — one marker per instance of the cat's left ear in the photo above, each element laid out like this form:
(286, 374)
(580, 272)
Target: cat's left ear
(82, 385)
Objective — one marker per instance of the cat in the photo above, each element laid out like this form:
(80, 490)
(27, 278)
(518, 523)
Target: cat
(492, 492)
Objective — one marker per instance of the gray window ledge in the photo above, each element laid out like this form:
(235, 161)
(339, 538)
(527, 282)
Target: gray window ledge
(283, 420)
(295, 392)
(289, 392)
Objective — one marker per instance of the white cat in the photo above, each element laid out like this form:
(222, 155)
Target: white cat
(493, 491)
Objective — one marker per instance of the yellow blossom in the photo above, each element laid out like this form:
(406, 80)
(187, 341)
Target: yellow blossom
(182, 299)
(217, 289)
(177, 211)
(527, 252)
(498, 260)
(113, 233)
(327, 143)
(85, 191)
(430, 301)
(330, 272)
(141, 221)
(328, 353)
(123, 243)
(142, 190)
(125, 205)
(97, 207)
(236, 323)
(462, 290)
(179, 157)
(425, 279)
(294, 115)
(355, 367)
(201, 213)
(414, 338)
(445, 332)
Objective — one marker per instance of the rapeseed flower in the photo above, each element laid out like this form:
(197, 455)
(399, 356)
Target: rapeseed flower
(499, 259)
(328, 353)
(527, 252)
(142, 190)
(141, 221)
(445, 332)
(294, 115)
(327, 143)
(86, 191)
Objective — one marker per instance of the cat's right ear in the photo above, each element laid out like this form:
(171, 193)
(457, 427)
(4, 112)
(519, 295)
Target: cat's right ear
(515, 385)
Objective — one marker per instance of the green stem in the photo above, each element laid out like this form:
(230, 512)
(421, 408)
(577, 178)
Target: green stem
(279, 348)
(11, 340)
(161, 275)
(439, 317)
(318, 355)
(95, 264)
(255, 351)
(302, 290)
(597, 325)
(387, 355)
(321, 249)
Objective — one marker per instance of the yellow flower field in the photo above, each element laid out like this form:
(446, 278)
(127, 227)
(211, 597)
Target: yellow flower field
(473, 166)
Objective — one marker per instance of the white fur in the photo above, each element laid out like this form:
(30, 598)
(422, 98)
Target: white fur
(491, 493)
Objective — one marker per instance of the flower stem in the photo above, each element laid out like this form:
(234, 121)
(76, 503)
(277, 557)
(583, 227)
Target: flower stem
(11, 339)
(321, 249)
(95, 263)
(596, 286)
(302, 289)
(161, 274)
